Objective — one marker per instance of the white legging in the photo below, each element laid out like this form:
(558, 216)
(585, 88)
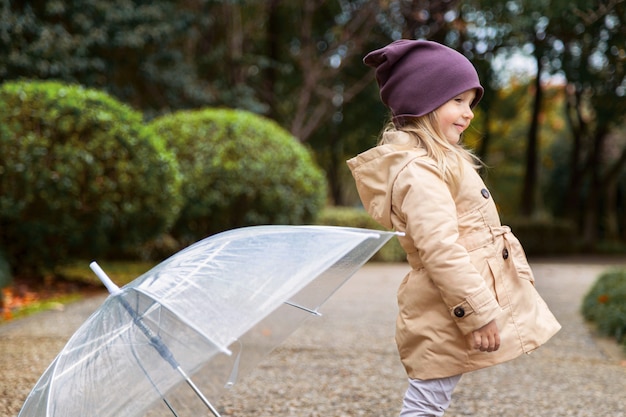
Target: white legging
(428, 398)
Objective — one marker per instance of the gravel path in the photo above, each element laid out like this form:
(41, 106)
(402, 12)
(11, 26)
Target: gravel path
(345, 362)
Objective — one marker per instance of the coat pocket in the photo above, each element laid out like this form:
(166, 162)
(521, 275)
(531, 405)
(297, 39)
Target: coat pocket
(498, 288)
(518, 257)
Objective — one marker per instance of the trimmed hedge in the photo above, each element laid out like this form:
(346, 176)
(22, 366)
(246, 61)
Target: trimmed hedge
(352, 217)
(541, 237)
(5, 273)
(80, 175)
(239, 169)
(605, 305)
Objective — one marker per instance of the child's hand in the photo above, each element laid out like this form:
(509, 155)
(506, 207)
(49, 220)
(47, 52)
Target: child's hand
(487, 338)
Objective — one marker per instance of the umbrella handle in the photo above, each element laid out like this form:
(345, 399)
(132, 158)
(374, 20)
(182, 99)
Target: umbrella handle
(111, 287)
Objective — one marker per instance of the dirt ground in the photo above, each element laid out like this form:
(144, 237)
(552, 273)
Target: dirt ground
(345, 363)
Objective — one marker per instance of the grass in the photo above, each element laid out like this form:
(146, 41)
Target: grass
(55, 303)
(121, 272)
(65, 285)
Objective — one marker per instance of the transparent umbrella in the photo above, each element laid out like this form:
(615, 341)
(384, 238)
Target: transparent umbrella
(183, 332)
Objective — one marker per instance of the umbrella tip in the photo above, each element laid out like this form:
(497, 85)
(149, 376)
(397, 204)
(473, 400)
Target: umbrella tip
(108, 283)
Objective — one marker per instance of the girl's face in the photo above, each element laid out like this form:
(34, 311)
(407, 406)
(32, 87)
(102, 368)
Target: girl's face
(455, 116)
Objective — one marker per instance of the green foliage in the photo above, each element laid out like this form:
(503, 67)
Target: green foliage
(80, 175)
(239, 169)
(352, 217)
(129, 48)
(605, 305)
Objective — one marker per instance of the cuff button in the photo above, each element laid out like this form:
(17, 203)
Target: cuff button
(459, 312)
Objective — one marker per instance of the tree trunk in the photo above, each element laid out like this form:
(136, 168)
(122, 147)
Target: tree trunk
(596, 191)
(529, 190)
(611, 219)
(334, 171)
(484, 143)
(572, 207)
(611, 199)
(590, 213)
(273, 35)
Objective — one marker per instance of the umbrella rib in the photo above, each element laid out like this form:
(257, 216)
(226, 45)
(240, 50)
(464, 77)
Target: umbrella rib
(308, 310)
(214, 254)
(147, 375)
(157, 343)
(197, 391)
(105, 341)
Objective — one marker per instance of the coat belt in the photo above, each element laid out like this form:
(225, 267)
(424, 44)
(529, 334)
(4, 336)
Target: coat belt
(470, 242)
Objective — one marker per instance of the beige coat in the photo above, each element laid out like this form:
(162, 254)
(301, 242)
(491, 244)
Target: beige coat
(466, 268)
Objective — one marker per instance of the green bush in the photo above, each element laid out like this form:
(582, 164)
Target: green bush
(352, 217)
(605, 305)
(5, 272)
(544, 236)
(239, 169)
(80, 175)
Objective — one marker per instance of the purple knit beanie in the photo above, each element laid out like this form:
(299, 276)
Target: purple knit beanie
(415, 77)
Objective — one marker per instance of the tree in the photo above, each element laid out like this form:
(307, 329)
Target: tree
(129, 48)
(594, 63)
(504, 30)
(583, 42)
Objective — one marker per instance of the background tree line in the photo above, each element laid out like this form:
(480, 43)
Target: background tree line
(557, 138)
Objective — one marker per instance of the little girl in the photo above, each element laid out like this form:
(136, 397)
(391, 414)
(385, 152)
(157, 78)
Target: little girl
(469, 300)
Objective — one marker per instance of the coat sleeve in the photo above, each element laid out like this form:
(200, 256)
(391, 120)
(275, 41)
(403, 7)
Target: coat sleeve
(427, 206)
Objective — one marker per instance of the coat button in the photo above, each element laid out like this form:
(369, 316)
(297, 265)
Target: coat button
(459, 312)
(505, 253)
(485, 192)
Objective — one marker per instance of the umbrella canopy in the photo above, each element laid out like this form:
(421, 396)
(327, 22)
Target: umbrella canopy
(208, 313)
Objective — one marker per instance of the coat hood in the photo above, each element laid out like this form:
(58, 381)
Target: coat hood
(375, 171)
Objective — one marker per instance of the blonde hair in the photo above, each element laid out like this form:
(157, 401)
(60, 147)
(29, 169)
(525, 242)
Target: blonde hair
(423, 132)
